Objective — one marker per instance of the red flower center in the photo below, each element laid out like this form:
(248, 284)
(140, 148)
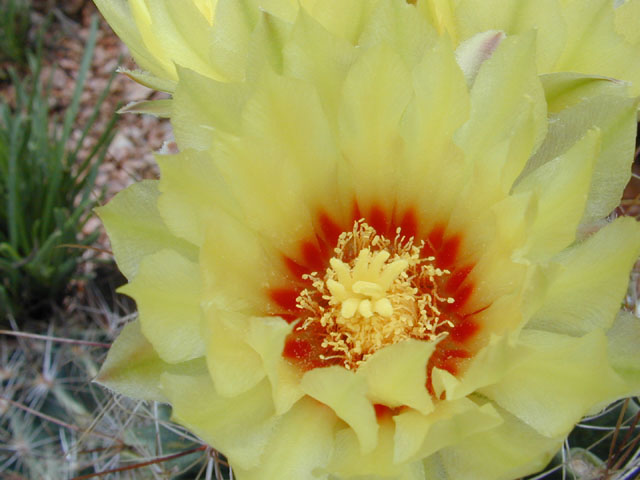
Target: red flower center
(377, 282)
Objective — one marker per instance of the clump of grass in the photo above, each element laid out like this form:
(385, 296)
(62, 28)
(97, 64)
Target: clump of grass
(14, 32)
(46, 192)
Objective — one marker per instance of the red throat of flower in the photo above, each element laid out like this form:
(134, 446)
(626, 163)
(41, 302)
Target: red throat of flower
(374, 285)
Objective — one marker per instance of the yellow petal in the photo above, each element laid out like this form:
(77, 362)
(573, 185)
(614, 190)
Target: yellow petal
(193, 194)
(232, 27)
(241, 426)
(506, 83)
(121, 17)
(624, 339)
(235, 20)
(230, 246)
(266, 45)
(500, 165)
(615, 116)
(441, 14)
(514, 218)
(314, 55)
(444, 382)
(136, 229)
(348, 459)
(284, 9)
(343, 19)
(201, 105)
(626, 21)
(292, 454)
(133, 368)
(439, 91)
(412, 471)
(487, 367)
(397, 375)
(593, 45)
(167, 291)
(267, 337)
(550, 399)
(496, 274)
(374, 97)
(586, 290)
(182, 33)
(396, 24)
(139, 11)
(285, 131)
(474, 51)
(516, 17)
(234, 366)
(561, 187)
(511, 450)
(418, 436)
(288, 129)
(345, 392)
(440, 107)
(207, 8)
(566, 89)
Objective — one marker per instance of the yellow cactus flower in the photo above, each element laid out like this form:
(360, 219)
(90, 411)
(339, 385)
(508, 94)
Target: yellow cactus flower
(371, 258)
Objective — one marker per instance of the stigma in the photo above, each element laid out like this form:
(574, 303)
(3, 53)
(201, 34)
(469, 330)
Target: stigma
(364, 288)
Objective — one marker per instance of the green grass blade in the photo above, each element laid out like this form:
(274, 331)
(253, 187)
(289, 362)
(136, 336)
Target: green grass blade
(60, 160)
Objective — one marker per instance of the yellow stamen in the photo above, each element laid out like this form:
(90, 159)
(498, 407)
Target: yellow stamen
(376, 292)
